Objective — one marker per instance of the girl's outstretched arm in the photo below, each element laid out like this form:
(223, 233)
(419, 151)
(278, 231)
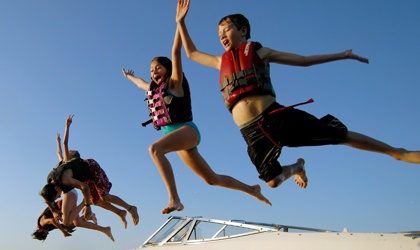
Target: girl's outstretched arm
(139, 82)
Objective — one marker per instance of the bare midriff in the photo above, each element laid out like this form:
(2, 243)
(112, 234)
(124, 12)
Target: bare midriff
(249, 107)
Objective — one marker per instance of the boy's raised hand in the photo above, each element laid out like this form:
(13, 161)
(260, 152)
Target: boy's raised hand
(182, 9)
(349, 54)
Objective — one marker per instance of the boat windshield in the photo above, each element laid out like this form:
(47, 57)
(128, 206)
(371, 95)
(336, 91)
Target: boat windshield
(166, 230)
(183, 229)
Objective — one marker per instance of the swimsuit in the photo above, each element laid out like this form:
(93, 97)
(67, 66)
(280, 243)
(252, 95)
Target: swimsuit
(290, 127)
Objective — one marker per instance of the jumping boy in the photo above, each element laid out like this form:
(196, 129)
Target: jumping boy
(266, 125)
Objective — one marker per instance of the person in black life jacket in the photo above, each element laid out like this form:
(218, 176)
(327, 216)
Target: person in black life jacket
(46, 221)
(181, 135)
(90, 178)
(68, 214)
(266, 125)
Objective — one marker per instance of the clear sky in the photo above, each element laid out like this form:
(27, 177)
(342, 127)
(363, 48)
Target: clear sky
(65, 57)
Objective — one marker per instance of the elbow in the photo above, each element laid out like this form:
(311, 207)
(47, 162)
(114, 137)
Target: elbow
(190, 55)
(84, 187)
(305, 63)
(176, 52)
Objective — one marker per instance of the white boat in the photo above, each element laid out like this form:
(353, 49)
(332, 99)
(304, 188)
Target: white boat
(197, 233)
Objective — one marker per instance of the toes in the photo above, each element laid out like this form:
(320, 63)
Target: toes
(168, 210)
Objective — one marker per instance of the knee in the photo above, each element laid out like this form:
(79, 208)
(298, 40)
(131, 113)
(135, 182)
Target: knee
(77, 222)
(210, 181)
(66, 222)
(104, 198)
(154, 150)
(213, 180)
(274, 183)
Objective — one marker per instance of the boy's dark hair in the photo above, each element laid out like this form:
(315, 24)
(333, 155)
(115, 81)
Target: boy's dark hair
(239, 21)
(48, 192)
(166, 62)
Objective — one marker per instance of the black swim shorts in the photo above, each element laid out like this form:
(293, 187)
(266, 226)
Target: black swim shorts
(287, 127)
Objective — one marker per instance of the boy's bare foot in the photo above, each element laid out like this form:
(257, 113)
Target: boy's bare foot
(122, 215)
(408, 156)
(258, 195)
(108, 233)
(173, 207)
(300, 177)
(133, 211)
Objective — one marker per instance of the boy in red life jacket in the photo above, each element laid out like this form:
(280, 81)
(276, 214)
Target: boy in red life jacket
(266, 125)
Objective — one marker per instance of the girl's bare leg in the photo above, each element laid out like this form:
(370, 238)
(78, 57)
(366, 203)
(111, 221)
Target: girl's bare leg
(120, 202)
(181, 139)
(69, 208)
(198, 165)
(80, 222)
(108, 206)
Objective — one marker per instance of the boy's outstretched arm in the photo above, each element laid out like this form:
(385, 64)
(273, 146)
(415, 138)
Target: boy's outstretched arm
(190, 49)
(270, 55)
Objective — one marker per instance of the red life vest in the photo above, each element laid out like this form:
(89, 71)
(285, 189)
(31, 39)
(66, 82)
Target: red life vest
(243, 72)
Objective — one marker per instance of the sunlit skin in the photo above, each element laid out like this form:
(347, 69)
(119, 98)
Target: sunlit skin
(251, 106)
(105, 201)
(71, 217)
(184, 140)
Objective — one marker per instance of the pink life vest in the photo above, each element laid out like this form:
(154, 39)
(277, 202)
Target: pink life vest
(157, 108)
(243, 72)
(166, 108)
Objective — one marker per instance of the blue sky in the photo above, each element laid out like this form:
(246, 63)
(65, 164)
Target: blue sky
(65, 57)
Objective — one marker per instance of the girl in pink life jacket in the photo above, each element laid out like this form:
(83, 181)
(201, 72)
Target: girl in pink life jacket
(181, 135)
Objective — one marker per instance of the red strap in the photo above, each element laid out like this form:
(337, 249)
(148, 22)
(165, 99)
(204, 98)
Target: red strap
(291, 106)
(277, 110)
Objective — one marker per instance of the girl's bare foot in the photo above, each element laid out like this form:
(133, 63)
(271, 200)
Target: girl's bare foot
(133, 211)
(259, 196)
(108, 233)
(93, 218)
(300, 177)
(122, 215)
(173, 207)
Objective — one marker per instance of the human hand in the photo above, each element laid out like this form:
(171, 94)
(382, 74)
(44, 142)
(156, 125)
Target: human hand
(87, 212)
(182, 10)
(69, 120)
(127, 73)
(349, 54)
(57, 215)
(66, 233)
(58, 137)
